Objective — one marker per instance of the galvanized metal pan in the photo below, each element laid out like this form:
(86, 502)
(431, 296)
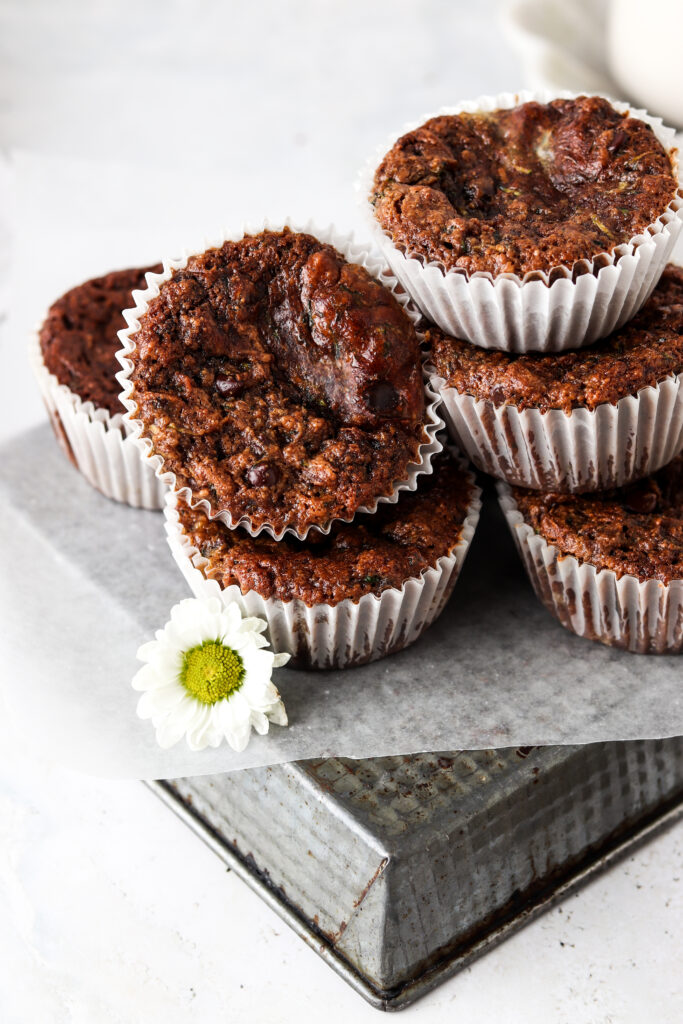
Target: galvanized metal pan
(399, 871)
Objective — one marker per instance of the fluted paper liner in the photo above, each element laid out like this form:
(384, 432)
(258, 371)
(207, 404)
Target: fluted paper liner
(645, 617)
(348, 633)
(353, 253)
(585, 450)
(98, 444)
(585, 302)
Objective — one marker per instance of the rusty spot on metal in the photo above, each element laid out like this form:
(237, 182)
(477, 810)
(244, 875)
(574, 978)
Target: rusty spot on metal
(380, 868)
(334, 937)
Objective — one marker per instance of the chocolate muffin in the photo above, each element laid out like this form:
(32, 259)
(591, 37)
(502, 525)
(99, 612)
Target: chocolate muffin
(636, 531)
(79, 336)
(279, 383)
(608, 566)
(573, 421)
(530, 188)
(73, 355)
(364, 591)
(368, 556)
(641, 354)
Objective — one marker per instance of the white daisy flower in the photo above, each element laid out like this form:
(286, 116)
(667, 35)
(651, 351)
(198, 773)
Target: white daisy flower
(207, 677)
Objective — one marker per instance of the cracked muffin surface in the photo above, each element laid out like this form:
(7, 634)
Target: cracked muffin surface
(530, 188)
(279, 382)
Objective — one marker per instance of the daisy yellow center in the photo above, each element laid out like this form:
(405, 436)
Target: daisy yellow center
(211, 671)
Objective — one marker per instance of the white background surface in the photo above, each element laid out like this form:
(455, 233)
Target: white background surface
(110, 909)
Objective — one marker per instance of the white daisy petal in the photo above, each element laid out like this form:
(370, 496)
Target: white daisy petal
(215, 605)
(192, 636)
(145, 708)
(250, 642)
(157, 704)
(165, 698)
(147, 678)
(280, 659)
(258, 640)
(258, 694)
(238, 740)
(230, 619)
(259, 722)
(213, 736)
(169, 732)
(146, 651)
(168, 663)
(173, 726)
(213, 619)
(253, 624)
(227, 717)
(238, 641)
(188, 715)
(199, 728)
(239, 706)
(257, 662)
(184, 613)
(187, 710)
(277, 714)
(193, 622)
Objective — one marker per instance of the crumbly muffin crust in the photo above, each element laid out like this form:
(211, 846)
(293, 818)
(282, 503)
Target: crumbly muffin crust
(641, 354)
(279, 382)
(79, 340)
(368, 556)
(532, 188)
(637, 530)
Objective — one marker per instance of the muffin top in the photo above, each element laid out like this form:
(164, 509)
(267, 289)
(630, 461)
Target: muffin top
(79, 340)
(279, 383)
(637, 530)
(641, 354)
(370, 555)
(531, 188)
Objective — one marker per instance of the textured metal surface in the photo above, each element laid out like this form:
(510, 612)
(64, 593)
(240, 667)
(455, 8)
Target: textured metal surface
(400, 869)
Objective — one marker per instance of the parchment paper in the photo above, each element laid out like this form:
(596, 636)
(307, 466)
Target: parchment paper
(84, 581)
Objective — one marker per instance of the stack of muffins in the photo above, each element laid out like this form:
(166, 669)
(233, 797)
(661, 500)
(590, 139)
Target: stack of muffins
(275, 390)
(535, 236)
(283, 394)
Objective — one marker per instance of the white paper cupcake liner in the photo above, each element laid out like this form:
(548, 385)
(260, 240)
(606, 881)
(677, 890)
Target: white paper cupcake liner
(584, 302)
(643, 617)
(97, 443)
(585, 450)
(349, 633)
(354, 254)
